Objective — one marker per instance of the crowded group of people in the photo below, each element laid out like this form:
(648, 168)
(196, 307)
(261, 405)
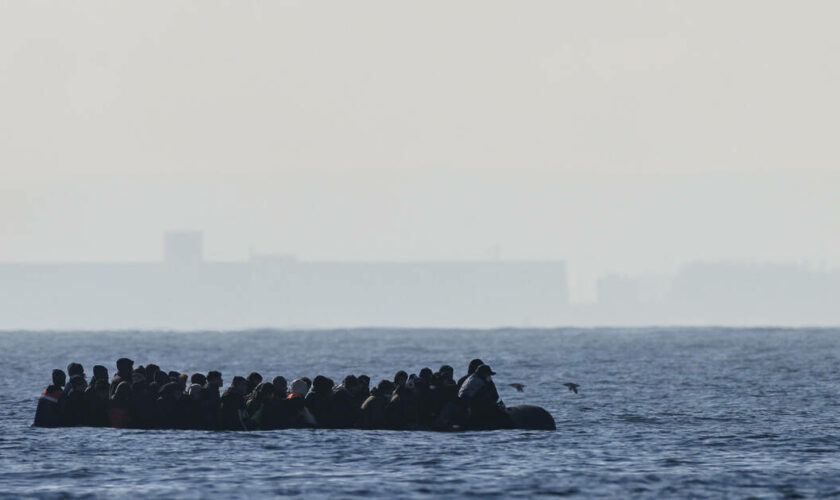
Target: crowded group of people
(147, 397)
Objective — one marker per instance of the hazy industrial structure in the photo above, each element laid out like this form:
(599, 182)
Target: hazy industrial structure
(185, 292)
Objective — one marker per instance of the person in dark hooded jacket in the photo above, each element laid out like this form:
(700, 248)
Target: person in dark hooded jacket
(362, 388)
(168, 412)
(76, 406)
(402, 412)
(318, 400)
(125, 367)
(232, 404)
(372, 414)
(51, 404)
(119, 408)
(344, 407)
(211, 400)
(99, 373)
(49, 411)
(474, 364)
(257, 405)
(254, 379)
(96, 403)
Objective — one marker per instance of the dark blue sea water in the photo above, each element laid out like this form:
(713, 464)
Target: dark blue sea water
(661, 412)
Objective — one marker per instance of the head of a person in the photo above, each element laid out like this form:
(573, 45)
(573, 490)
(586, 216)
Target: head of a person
(78, 381)
(254, 379)
(214, 378)
(59, 378)
(198, 379)
(426, 374)
(182, 380)
(280, 385)
(350, 382)
(447, 372)
(100, 372)
(75, 369)
(125, 366)
(364, 382)
(400, 378)
(384, 388)
(308, 382)
(473, 365)
(322, 385)
(411, 382)
(173, 375)
(239, 384)
(152, 371)
(264, 391)
(299, 387)
(484, 372)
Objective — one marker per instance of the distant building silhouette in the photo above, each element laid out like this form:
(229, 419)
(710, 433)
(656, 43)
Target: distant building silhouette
(186, 292)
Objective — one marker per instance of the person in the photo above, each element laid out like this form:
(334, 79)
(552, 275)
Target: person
(344, 407)
(99, 373)
(363, 388)
(142, 400)
(211, 400)
(443, 392)
(318, 400)
(372, 413)
(125, 367)
(75, 370)
(96, 402)
(195, 401)
(75, 407)
(481, 400)
(399, 379)
(297, 415)
(258, 404)
(119, 413)
(401, 411)
(254, 379)
(59, 378)
(167, 413)
(280, 389)
(49, 412)
(232, 404)
(474, 364)
(298, 388)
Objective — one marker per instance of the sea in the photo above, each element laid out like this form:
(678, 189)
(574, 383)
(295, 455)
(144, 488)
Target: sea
(661, 413)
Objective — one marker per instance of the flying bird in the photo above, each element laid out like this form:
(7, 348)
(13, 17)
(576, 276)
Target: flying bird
(518, 387)
(572, 386)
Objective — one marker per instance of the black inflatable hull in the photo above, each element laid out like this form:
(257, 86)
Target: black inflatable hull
(531, 417)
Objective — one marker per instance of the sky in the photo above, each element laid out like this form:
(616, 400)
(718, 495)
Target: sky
(625, 137)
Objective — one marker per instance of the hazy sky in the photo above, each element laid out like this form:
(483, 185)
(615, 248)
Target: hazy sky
(618, 136)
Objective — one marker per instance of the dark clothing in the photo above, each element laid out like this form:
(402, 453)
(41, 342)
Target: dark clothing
(402, 411)
(76, 407)
(319, 406)
(96, 408)
(49, 412)
(230, 405)
(344, 409)
(209, 407)
(373, 412)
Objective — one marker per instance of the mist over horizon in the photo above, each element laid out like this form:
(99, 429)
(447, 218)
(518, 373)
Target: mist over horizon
(630, 147)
